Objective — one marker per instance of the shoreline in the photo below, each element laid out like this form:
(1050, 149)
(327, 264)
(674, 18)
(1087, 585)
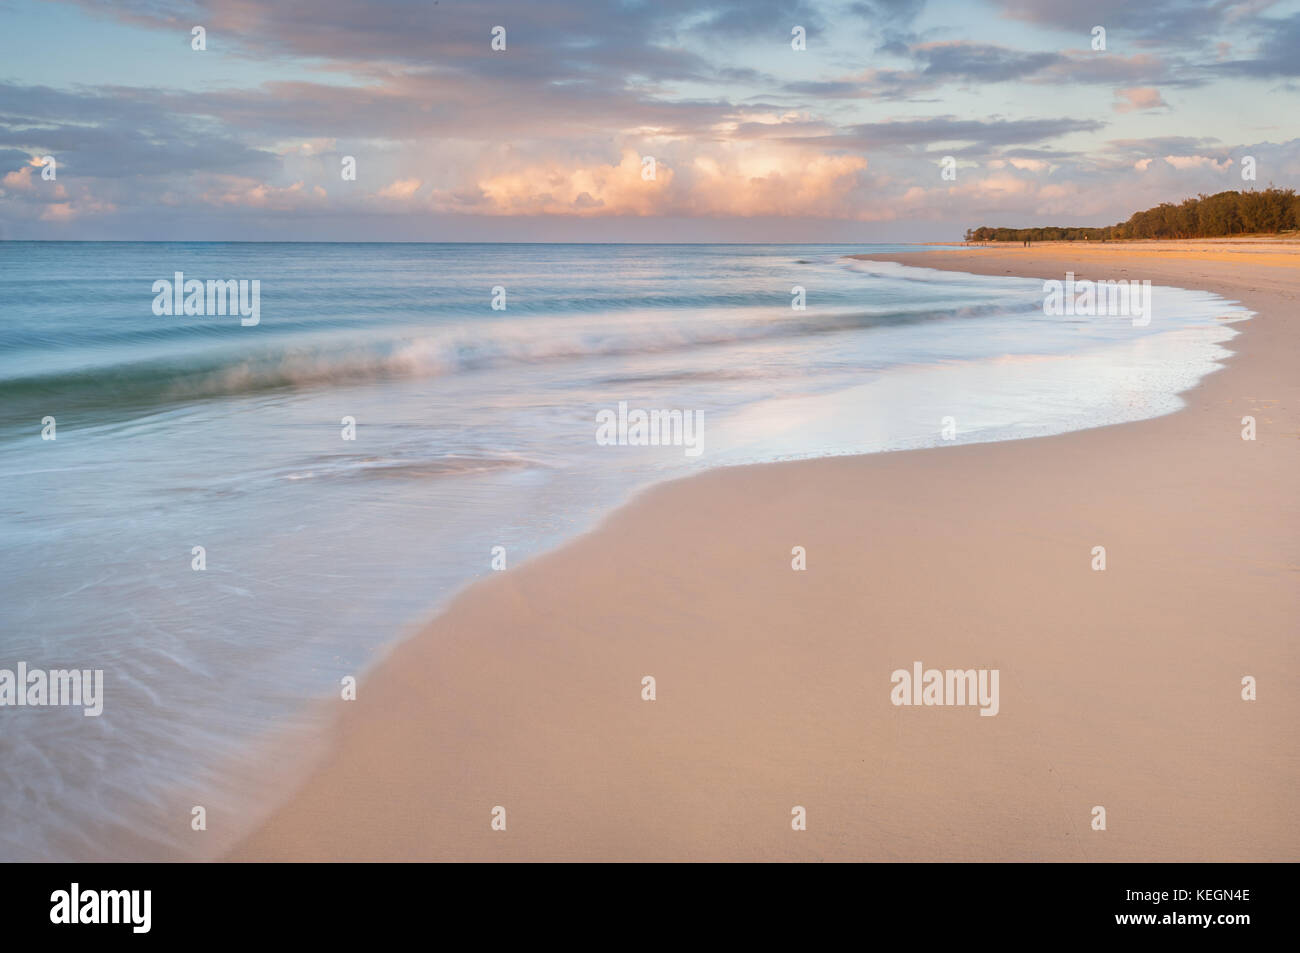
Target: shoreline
(525, 691)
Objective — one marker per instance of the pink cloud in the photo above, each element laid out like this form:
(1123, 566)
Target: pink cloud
(249, 193)
(401, 189)
(1138, 99)
(732, 180)
(19, 179)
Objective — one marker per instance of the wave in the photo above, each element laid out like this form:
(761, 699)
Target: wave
(325, 360)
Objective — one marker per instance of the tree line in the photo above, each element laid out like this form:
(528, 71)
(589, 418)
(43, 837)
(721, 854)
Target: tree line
(1268, 210)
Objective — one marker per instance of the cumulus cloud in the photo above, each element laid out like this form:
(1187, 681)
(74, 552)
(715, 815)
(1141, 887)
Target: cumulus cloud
(739, 181)
(19, 179)
(1198, 162)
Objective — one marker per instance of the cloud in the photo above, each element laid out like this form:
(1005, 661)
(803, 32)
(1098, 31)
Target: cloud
(1165, 20)
(230, 190)
(741, 126)
(401, 189)
(1198, 162)
(118, 132)
(940, 65)
(1277, 50)
(972, 62)
(1138, 98)
(19, 179)
(975, 133)
(733, 182)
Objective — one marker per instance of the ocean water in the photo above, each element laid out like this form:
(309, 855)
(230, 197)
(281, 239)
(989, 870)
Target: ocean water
(475, 428)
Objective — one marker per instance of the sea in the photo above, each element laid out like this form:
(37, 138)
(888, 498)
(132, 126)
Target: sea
(230, 518)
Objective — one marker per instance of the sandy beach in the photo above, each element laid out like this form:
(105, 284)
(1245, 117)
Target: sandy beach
(1120, 688)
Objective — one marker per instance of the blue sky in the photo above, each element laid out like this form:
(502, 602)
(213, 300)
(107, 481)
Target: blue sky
(548, 139)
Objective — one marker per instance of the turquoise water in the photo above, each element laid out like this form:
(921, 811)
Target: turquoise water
(474, 429)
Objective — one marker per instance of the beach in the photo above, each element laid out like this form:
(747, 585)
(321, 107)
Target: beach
(1119, 688)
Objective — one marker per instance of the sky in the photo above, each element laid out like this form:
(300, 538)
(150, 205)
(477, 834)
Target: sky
(861, 120)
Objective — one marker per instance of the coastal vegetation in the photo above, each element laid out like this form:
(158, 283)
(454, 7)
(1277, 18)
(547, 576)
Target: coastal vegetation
(1251, 212)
